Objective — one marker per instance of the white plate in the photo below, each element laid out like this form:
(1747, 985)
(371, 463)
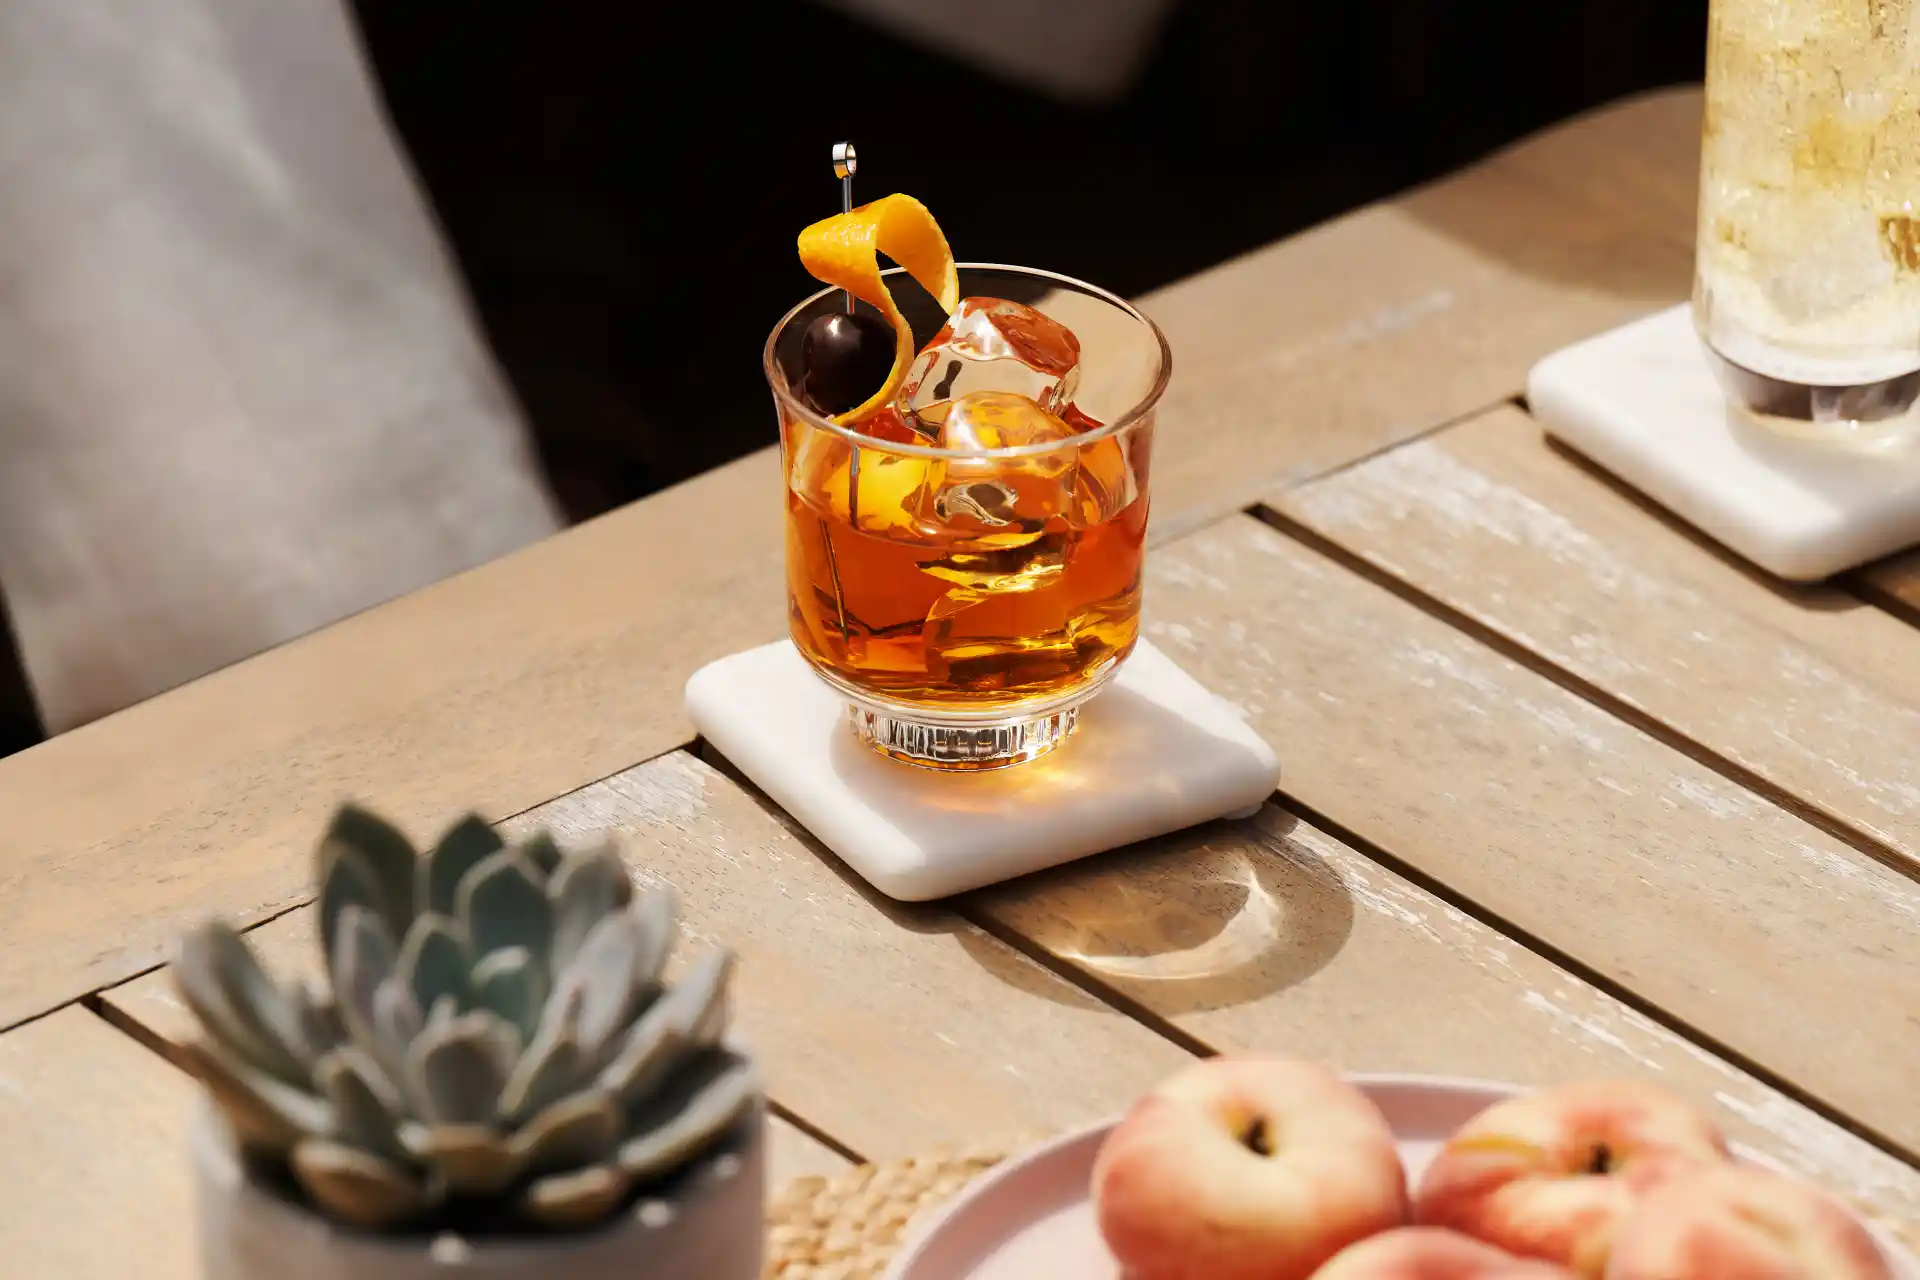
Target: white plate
(1031, 1216)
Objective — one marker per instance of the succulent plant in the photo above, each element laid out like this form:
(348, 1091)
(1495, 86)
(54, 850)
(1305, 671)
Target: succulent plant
(494, 1035)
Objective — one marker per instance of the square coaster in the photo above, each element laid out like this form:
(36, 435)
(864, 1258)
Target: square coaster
(1642, 402)
(1155, 752)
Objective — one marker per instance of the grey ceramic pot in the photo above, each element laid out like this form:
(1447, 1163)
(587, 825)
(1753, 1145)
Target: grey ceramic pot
(711, 1230)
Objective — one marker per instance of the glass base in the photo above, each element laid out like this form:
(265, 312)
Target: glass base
(1872, 415)
(960, 738)
(959, 747)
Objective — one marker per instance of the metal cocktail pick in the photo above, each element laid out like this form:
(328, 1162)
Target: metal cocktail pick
(846, 162)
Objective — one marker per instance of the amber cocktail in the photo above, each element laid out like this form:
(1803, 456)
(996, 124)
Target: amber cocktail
(964, 561)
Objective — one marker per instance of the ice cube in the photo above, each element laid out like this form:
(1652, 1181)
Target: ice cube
(982, 420)
(1820, 256)
(992, 344)
(998, 502)
(1014, 525)
(988, 503)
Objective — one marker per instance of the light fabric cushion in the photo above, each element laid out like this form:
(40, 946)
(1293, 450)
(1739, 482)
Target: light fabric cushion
(241, 391)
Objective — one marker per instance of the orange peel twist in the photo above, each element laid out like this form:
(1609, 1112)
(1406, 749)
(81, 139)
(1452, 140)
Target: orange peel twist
(844, 251)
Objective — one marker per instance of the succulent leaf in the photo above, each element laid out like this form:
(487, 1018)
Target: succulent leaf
(366, 1110)
(358, 1187)
(653, 1051)
(460, 1070)
(555, 1064)
(444, 1011)
(465, 846)
(223, 984)
(265, 1115)
(674, 1023)
(503, 903)
(361, 960)
(383, 851)
(656, 915)
(575, 1131)
(711, 1025)
(495, 1028)
(511, 984)
(540, 850)
(585, 890)
(397, 1021)
(606, 974)
(433, 960)
(577, 1199)
(689, 1111)
(349, 882)
(320, 1024)
(471, 1158)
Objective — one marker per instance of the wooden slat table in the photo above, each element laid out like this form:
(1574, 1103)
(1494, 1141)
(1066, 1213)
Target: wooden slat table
(1566, 790)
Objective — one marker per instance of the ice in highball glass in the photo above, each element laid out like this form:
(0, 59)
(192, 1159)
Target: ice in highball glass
(1807, 283)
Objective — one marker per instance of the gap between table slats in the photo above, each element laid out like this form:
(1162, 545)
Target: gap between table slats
(1735, 918)
(1801, 694)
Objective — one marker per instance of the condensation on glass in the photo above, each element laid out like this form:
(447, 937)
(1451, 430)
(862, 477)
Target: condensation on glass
(1807, 282)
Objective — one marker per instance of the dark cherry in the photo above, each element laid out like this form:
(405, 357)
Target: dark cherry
(844, 358)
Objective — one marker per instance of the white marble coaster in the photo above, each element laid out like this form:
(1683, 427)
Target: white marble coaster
(1155, 752)
(1643, 403)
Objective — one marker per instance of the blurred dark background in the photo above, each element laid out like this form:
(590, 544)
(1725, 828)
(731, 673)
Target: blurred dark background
(622, 183)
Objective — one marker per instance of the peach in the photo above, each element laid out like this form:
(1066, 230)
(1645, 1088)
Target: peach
(1741, 1223)
(1246, 1168)
(1433, 1253)
(1552, 1175)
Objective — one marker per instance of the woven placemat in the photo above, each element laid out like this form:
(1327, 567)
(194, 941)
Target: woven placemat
(849, 1226)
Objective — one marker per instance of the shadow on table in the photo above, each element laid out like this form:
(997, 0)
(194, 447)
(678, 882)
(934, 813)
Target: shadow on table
(1217, 916)
(917, 917)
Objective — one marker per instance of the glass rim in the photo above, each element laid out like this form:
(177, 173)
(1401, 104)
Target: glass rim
(783, 392)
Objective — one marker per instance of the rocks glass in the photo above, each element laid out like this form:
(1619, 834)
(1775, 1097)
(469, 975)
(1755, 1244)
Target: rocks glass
(967, 592)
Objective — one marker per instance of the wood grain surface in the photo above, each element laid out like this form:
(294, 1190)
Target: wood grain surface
(94, 1174)
(1635, 162)
(1737, 918)
(1385, 323)
(1270, 935)
(1899, 578)
(1807, 688)
(564, 663)
(890, 1028)
(1507, 879)
(795, 1153)
(496, 689)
